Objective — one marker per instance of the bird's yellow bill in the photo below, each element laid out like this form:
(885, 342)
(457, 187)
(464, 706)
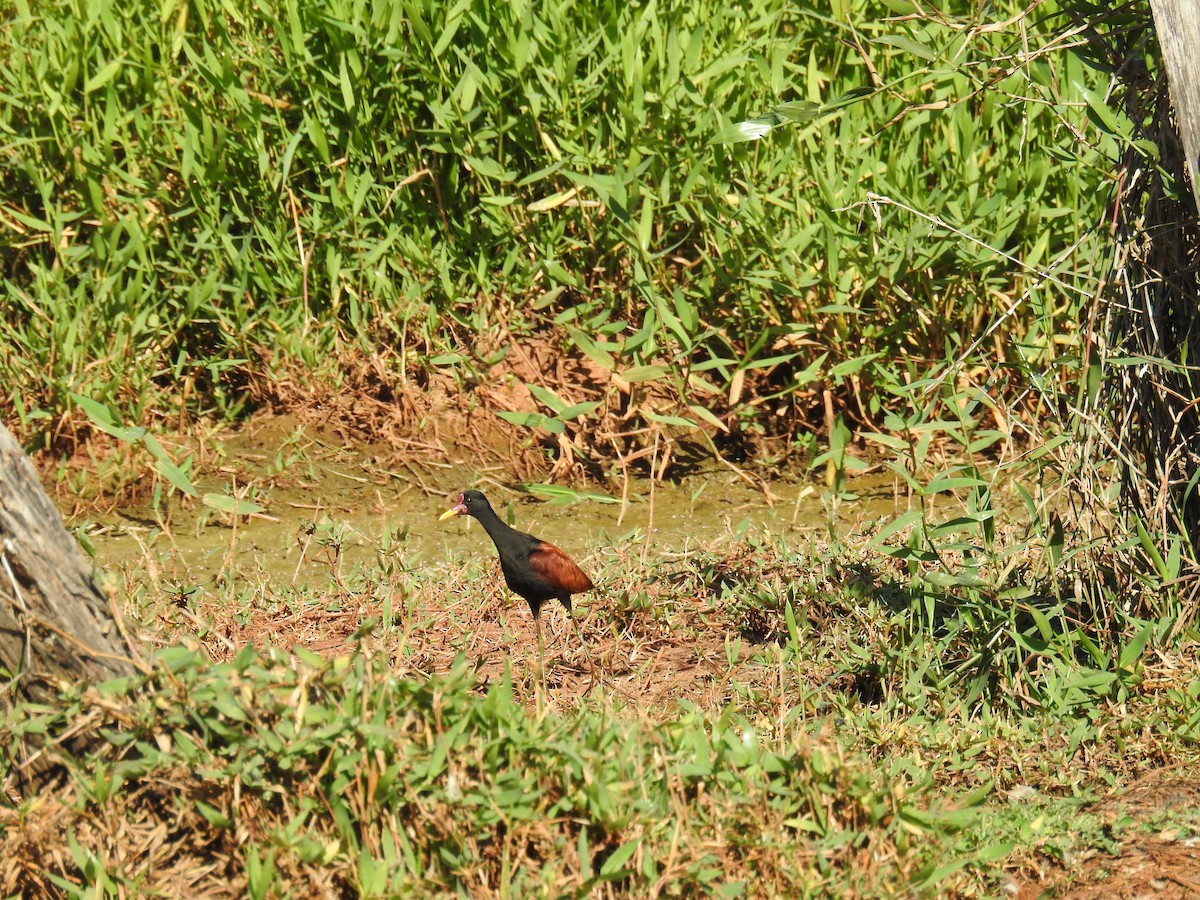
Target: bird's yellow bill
(458, 509)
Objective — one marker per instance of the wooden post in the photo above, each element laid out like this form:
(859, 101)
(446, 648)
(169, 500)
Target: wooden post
(56, 626)
(1177, 23)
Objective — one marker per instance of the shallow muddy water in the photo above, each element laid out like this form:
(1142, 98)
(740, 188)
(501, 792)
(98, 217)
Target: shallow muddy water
(344, 506)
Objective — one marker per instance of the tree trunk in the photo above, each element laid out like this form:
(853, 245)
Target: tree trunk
(1177, 23)
(56, 626)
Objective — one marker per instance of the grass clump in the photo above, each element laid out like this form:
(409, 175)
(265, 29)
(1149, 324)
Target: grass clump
(343, 776)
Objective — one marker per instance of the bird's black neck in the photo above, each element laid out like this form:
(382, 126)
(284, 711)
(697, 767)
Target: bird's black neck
(496, 527)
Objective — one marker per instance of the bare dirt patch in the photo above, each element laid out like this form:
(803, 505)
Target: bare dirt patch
(1159, 853)
(424, 413)
(637, 653)
(449, 414)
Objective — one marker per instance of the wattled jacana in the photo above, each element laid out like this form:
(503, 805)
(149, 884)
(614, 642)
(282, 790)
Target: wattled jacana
(535, 569)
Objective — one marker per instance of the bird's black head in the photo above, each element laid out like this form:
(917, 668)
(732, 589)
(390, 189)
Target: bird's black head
(470, 503)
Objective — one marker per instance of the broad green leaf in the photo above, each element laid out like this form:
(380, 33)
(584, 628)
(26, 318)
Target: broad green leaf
(965, 578)
(553, 201)
(907, 44)
(644, 373)
(851, 96)
(1043, 624)
(104, 75)
(547, 397)
(489, 168)
(317, 136)
(556, 493)
(853, 365)
(597, 354)
(176, 476)
(798, 111)
(578, 409)
(750, 130)
(233, 505)
(646, 223)
(616, 861)
(533, 420)
(1151, 549)
(942, 484)
(891, 441)
(1104, 116)
(1132, 651)
(100, 416)
(896, 525)
(704, 414)
(212, 815)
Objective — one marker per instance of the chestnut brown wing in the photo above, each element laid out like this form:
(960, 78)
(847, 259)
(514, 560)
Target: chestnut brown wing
(560, 570)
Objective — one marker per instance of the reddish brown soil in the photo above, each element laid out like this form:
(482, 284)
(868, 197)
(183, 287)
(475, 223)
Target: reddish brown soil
(1162, 865)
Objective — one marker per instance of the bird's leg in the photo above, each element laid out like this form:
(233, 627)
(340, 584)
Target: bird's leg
(586, 654)
(541, 673)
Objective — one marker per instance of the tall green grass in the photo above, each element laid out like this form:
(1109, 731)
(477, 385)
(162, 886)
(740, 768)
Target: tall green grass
(195, 190)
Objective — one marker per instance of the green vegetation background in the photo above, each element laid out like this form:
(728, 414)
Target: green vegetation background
(196, 192)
